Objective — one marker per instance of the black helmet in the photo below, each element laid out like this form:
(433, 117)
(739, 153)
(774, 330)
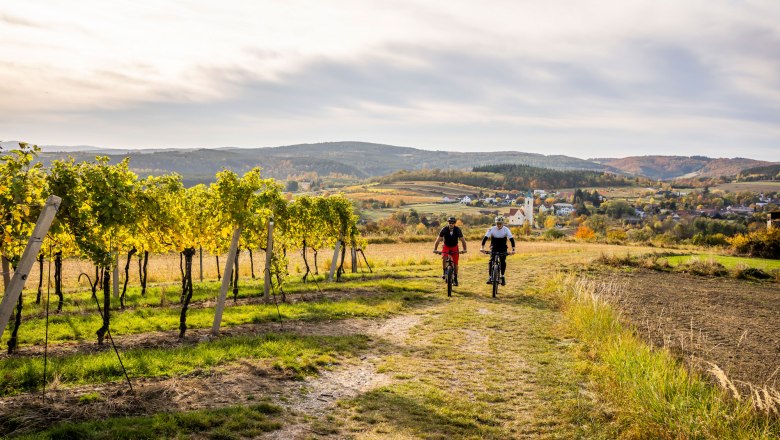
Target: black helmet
(451, 220)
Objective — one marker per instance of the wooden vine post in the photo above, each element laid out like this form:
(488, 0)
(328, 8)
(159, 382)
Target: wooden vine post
(29, 256)
(353, 254)
(225, 281)
(335, 260)
(269, 252)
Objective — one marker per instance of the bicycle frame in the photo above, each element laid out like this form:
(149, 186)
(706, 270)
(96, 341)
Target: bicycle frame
(449, 270)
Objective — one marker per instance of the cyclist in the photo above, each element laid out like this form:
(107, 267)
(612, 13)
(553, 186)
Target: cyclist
(498, 236)
(450, 234)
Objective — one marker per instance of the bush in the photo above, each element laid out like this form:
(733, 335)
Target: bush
(584, 233)
(751, 273)
(639, 235)
(764, 243)
(702, 239)
(616, 236)
(553, 234)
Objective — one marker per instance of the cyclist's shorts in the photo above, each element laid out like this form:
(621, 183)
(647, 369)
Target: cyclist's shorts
(454, 254)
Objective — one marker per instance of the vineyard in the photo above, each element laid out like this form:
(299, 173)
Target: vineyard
(232, 312)
(105, 211)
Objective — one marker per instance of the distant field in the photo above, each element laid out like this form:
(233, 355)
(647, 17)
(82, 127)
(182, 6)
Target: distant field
(615, 192)
(767, 186)
(728, 261)
(432, 209)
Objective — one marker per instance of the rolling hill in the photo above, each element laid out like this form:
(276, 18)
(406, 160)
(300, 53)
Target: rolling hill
(672, 167)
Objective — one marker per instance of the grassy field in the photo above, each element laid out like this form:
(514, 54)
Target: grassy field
(383, 354)
(758, 187)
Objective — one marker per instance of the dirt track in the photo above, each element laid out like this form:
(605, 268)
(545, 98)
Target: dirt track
(731, 323)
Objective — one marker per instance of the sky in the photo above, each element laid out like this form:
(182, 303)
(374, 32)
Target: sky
(585, 78)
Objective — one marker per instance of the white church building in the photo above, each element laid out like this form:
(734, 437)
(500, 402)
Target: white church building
(518, 216)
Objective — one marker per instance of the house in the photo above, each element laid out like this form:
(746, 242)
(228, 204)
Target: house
(518, 216)
(465, 200)
(304, 185)
(563, 208)
(446, 199)
(742, 210)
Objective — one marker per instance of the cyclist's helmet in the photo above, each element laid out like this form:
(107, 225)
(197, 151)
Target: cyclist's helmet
(451, 220)
(500, 219)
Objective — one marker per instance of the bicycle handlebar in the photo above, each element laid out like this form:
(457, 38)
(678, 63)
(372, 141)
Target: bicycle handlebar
(497, 253)
(449, 252)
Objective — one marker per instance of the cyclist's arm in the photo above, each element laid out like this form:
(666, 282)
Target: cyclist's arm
(484, 240)
(512, 240)
(463, 240)
(436, 244)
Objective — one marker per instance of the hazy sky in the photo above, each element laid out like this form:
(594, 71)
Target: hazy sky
(581, 78)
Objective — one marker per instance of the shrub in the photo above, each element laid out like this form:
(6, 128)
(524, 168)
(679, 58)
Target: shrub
(553, 234)
(584, 233)
(751, 273)
(616, 236)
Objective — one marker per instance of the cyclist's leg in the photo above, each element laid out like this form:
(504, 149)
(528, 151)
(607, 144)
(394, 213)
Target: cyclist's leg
(503, 264)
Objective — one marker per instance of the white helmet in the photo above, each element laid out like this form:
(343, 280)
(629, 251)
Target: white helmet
(500, 219)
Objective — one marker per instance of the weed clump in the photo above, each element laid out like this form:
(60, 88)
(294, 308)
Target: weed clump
(696, 266)
(751, 273)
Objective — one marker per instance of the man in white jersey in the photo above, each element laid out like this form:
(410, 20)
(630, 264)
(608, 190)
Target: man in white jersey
(498, 236)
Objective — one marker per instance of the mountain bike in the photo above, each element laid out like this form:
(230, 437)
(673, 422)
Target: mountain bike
(495, 268)
(449, 269)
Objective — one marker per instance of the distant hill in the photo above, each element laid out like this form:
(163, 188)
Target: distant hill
(355, 159)
(672, 167)
(363, 160)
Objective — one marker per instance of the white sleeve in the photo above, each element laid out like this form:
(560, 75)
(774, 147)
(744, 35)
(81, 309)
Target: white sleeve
(509, 233)
(487, 234)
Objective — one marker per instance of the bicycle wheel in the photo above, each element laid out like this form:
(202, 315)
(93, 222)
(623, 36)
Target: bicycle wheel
(449, 280)
(496, 277)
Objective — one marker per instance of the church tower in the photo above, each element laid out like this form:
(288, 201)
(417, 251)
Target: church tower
(528, 208)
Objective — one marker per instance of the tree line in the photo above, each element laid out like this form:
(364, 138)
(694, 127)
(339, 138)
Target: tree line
(525, 177)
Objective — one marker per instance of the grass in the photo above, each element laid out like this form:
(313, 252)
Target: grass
(728, 261)
(395, 295)
(649, 392)
(236, 422)
(299, 355)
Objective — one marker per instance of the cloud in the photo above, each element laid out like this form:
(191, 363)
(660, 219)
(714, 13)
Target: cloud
(699, 75)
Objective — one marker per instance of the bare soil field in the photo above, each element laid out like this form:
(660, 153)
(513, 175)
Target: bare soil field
(730, 323)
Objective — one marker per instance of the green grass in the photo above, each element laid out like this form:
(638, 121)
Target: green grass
(650, 394)
(236, 422)
(300, 355)
(398, 295)
(728, 261)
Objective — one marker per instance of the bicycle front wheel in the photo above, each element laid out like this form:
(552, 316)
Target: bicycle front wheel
(496, 279)
(449, 281)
